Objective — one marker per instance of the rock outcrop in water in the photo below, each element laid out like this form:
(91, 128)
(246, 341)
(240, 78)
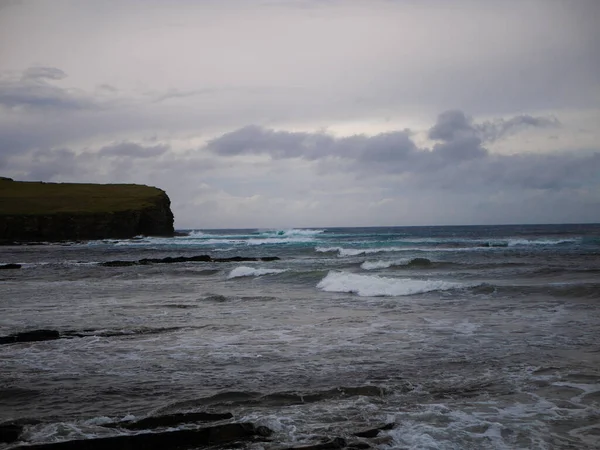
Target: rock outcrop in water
(38, 211)
(228, 434)
(10, 432)
(180, 259)
(30, 336)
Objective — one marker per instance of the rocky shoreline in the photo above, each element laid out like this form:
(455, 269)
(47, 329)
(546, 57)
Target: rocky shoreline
(157, 432)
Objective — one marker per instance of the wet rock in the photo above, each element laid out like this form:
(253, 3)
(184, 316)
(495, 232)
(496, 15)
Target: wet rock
(30, 336)
(9, 242)
(359, 445)
(172, 420)
(10, 432)
(235, 259)
(374, 431)
(182, 259)
(10, 266)
(383, 440)
(332, 444)
(179, 439)
(118, 263)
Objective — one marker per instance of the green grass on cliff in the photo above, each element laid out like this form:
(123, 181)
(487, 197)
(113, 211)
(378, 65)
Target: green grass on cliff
(38, 198)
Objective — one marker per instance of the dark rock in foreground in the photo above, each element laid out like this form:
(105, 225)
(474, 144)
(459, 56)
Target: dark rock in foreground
(373, 432)
(179, 439)
(171, 420)
(182, 259)
(10, 266)
(10, 432)
(335, 443)
(48, 335)
(37, 211)
(30, 336)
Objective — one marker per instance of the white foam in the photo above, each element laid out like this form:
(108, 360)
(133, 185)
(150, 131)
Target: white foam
(101, 420)
(277, 240)
(196, 234)
(327, 249)
(373, 265)
(375, 286)
(298, 232)
(515, 242)
(245, 271)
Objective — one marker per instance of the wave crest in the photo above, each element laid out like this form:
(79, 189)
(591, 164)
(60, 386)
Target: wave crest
(245, 271)
(295, 232)
(375, 286)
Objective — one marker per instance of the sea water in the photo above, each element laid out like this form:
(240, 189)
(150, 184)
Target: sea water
(462, 337)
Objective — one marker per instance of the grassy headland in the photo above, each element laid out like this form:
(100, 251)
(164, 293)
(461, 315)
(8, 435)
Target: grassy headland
(39, 198)
(84, 211)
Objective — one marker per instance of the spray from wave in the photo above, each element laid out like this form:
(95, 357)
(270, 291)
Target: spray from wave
(293, 232)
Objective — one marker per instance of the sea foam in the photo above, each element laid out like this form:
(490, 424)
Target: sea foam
(245, 271)
(296, 232)
(519, 242)
(374, 265)
(375, 286)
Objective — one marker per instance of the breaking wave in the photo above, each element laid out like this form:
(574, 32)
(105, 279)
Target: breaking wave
(517, 242)
(294, 232)
(414, 262)
(245, 271)
(375, 286)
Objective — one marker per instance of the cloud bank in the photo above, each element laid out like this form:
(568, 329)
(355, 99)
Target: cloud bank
(308, 113)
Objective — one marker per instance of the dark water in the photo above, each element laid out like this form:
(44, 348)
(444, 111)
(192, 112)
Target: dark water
(464, 337)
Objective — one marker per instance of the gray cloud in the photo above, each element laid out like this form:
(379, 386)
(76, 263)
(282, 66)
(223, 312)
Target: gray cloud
(39, 73)
(33, 91)
(132, 150)
(449, 125)
(190, 73)
(278, 144)
(455, 175)
(50, 163)
(458, 160)
(497, 129)
(385, 150)
(458, 140)
(453, 124)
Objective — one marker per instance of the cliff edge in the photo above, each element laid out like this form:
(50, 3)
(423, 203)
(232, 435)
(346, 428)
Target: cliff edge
(38, 211)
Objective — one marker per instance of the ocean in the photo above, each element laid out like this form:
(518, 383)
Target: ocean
(474, 337)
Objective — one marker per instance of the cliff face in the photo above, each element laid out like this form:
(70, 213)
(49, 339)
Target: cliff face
(67, 211)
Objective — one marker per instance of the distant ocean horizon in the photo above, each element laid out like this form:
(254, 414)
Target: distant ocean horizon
(316, 227)
(459, 336)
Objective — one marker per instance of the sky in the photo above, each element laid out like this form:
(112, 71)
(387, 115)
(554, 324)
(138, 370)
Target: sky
(311, 113)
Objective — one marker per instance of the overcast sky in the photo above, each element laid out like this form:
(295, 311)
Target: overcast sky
(296, 113)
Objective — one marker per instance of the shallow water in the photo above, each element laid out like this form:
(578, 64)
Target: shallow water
(492, 341)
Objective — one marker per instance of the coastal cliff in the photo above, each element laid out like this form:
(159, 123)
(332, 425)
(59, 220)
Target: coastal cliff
(38, 211)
